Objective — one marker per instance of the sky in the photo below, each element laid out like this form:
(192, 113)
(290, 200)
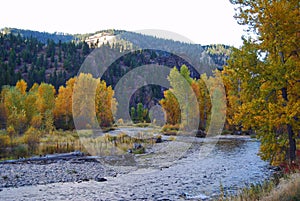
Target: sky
(201, 21)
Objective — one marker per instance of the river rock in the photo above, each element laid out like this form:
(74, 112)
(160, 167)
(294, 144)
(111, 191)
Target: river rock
(200, 133)
(158, 140)
(99, 178)
(137, 146)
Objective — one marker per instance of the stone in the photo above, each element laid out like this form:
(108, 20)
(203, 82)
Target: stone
(137, 146)
(200, 133)
(158, 140)
(100, 179)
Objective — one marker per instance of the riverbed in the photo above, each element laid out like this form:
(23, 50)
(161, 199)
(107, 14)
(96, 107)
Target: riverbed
(171, 170)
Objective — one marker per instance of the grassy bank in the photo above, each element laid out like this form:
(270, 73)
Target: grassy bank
(286, 188)
(36, 142)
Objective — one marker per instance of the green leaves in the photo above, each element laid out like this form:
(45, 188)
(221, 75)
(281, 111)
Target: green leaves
(266, 92)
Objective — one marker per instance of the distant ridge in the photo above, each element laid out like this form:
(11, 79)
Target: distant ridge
(53, 58)
(41, 36)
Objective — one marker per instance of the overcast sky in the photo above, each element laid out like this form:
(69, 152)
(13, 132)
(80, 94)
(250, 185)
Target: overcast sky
(201, 21)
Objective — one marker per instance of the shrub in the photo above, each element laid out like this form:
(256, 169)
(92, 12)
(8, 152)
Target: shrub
(4, 141)
(142, 125)
(11, 132)
(36, 121)
(226, 132)
(4, 144)
(172, 138)
(169, 129)
(138, 149)
(32, 139)
(120, 122)
(20, 151)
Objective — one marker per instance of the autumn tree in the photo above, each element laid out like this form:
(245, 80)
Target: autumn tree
(34, 117)
(3, 115)
(83, 103)
(171, 107)
(180, 82)
(267, 73)
(203, 98)
(63, 106)
(217, 104)
(180, 102)
(93, 102)
(15, 109)
(105, 104)
(21, 85)
(45, 104)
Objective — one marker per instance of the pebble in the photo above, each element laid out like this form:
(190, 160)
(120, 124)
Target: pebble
(198, 179)
(62, 171)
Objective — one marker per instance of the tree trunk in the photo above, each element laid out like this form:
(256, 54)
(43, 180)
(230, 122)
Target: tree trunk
(292, 144)
(291, 135)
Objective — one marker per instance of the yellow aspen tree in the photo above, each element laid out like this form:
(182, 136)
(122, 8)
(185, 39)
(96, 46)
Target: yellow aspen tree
(22, 86)
(105, 104)
(171, 107)
(45, 104)
(83, 102)
(269, 69)
(63, 106)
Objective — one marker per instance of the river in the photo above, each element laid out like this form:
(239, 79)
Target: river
(167, 172)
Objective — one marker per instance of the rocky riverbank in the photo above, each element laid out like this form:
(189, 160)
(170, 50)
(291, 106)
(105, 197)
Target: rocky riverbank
(53, 169)
(45, 172)
(170, 170)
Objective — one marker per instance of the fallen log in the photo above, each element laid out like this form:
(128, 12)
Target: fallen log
(52, 157)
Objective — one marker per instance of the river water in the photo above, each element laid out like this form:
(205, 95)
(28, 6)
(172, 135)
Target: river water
(232, 162)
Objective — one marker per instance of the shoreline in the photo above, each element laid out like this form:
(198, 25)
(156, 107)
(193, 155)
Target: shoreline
(164, 171)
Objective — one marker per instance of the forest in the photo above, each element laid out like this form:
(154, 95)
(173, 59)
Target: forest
(261, 80)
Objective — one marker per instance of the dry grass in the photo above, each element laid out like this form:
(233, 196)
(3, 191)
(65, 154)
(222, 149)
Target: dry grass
(287, 190)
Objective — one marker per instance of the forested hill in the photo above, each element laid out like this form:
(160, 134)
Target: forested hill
(34, 61)
(41, 36)
(54, 58)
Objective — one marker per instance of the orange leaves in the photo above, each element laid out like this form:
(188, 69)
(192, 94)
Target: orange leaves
(39, 108)
(63, 106)
(269, 95)
(171, 107)
(188, 101)
(63, 101)
(84, 100)
(92, 98)
(105, 104)
(46, 97)
(22, 86)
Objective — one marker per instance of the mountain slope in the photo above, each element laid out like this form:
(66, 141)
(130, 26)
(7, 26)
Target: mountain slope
(41, 36)
(54, 58)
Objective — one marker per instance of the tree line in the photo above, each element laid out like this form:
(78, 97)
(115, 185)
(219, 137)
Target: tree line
(36, 62)
(42, 108)
(261, 79)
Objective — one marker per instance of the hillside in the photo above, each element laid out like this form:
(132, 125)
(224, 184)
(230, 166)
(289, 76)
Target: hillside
(41, 36)
(35, 61)
(54, 58)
